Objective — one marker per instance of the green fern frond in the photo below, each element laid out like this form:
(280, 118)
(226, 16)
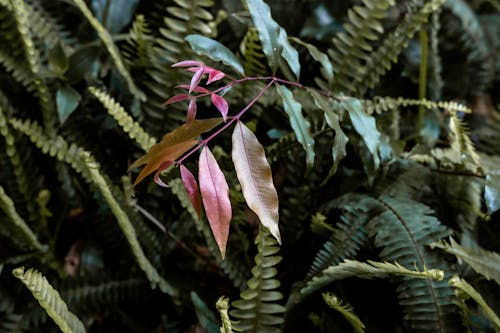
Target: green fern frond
(466, 290)
(11, 323)
(106, 292)
(33, 59)
(254, 59)
(345, 310)
(258, 310)
(384, 104)
(139, 48)
(371, 269)
(380, 61)
(126, 122)
(348, 235)
(111, 48)
(18, 70)
(222, 306)
(353, 47)
(461, 142)
(24, 171)
(7, 205)
(50, 300)
(126, 226)
(402, 229)
(467, 34)
(486, 263)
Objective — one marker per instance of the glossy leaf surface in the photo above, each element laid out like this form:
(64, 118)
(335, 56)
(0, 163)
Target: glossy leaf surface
(215, 195)
(300, 125)
(255, 177)
(215, 50)
(221, 104)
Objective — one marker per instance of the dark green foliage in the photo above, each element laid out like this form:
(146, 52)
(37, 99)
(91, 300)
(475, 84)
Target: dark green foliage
(374, 213)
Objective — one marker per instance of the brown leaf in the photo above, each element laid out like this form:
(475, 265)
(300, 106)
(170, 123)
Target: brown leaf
(172, 146)
(215, 195)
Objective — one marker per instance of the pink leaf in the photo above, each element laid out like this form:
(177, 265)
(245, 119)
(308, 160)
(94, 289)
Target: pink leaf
(195, 80)
(197, 89)
(175, 99)
(163, 166)
(191, 114)
(221, 105)
(187, 63)
(255, 176)
(215, 195)
(192, 189)
(214, 75)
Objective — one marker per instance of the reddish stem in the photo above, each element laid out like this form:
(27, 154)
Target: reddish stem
(228, 123)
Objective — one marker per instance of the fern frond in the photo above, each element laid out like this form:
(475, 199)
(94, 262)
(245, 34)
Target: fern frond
(380, 61)
(222, 306)
(126, 122)
(486, 263)
(18, 70)
(254, 59)
(126, 226)
(24, 231)
(345, 310)
(139, 48)
(352, 47)
(384, 104)
(371, 269)
(348, 234)
(469, 291)
(258, 310)
(24, 171)
(50, 300)
(466, 32)
(11, 323)
(33, 58)
(111, 47)
(402, 229)
(461, 142)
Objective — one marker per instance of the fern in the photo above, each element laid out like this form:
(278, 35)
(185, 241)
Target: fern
(345, 310)
(254, 59)
(353, 47)
(129, 126)
(402, 230)
(126, 226)
(348, 235)
(81, 161)
(50, 300)
(379, 61)
(466, 290)
(371, 269)
(484, 262)
(7, 205)
(139, 52)
(384, 104)
(257, 310)
(222, 306)
(111, 48)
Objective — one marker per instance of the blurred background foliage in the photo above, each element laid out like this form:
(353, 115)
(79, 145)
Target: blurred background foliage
(81, 90)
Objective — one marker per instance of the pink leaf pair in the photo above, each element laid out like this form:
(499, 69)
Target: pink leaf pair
(221, 104)
(199, 69)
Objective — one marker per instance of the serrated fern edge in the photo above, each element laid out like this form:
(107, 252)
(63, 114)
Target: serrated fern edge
(50, 300)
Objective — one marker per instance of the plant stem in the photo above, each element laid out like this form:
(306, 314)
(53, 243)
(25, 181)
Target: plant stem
(228, 123)
(422, 81)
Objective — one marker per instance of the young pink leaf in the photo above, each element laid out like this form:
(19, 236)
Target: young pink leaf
(221, 105)
(255, 177)
(165, 165)
(195, 80)
(188, 63)
(192, 190)
(191, 114)
(214, 75)
(197, 89)
(175, 99)
(215, 195)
